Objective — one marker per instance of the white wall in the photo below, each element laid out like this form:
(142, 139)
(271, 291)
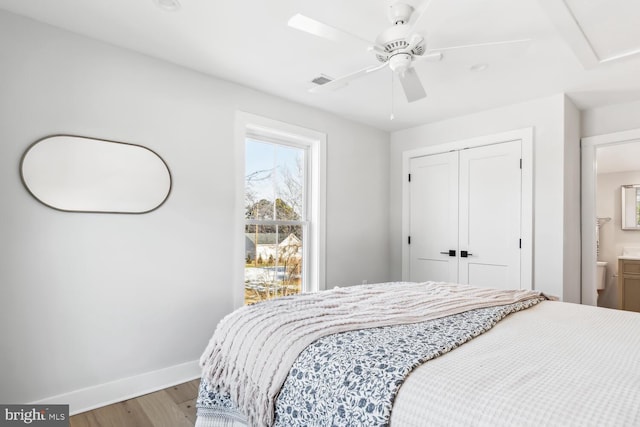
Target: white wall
(571, 247)
(93, 298)
(612, 237)
(611, 118)
(551, 181)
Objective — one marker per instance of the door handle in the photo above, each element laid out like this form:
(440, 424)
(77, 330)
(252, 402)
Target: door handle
(450, 252)
(465, 254)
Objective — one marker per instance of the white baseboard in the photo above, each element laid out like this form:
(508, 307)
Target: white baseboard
(90, 398)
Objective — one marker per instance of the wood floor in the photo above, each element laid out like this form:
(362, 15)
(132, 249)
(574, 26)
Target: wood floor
(172, 407)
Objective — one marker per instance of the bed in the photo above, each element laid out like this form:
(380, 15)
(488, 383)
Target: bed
(518, 360)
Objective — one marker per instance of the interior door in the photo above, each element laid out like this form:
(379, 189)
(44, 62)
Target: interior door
(490, 216)
(433, 222)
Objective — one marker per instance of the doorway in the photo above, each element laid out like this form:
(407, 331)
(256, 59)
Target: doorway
(607, 209)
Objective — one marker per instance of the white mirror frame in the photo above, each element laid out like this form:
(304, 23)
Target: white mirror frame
(73, 173)
(629, 209)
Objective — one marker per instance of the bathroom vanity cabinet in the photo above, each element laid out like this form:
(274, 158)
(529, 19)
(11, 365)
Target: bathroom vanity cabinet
(629, 284)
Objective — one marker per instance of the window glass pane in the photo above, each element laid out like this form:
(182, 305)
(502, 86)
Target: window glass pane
(273, 261)
(289, 181)
(274, 181)
(260, 174)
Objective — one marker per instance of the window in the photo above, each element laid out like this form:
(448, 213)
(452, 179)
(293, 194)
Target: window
(282, 209)
(276, 225)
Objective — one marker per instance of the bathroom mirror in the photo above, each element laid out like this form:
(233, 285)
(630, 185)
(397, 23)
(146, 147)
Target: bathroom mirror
(78, 174)
(630, 207)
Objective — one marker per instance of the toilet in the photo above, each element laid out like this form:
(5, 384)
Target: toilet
(601, 275)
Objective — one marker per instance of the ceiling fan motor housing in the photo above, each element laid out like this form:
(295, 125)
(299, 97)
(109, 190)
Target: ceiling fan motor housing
(395, 38)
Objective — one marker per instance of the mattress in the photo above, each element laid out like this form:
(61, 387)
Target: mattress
(552, 364)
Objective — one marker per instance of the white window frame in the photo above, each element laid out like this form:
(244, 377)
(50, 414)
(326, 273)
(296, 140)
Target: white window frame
(256, 127)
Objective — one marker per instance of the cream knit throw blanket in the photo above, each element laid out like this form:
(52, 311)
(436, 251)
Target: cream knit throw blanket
(253, 348)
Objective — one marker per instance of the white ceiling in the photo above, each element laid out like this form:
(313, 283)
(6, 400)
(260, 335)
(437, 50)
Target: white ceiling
(249, 42)
(610, 26)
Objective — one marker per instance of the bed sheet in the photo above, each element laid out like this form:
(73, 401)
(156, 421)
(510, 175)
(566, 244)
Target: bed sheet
(555, 364)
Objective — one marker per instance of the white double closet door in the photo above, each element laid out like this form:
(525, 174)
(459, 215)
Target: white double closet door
(465, 216)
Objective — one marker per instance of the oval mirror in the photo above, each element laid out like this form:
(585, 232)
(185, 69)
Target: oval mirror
(78, 174)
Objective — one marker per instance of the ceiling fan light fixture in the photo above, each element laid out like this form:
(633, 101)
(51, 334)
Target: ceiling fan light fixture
(170, 5)
(400, 62)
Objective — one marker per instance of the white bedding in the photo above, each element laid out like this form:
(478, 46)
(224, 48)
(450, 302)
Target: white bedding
(253, 349)
(554, 364)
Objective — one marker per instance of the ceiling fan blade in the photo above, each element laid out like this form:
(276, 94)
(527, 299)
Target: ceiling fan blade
(320, 29)
(465, 46)
(418, 14)
(342, 81)
(411, 85)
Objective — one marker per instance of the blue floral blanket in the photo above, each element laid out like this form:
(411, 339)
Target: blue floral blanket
(352, 378)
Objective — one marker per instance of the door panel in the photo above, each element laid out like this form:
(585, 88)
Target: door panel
(487, 275)
(490, 200)
(433, 223)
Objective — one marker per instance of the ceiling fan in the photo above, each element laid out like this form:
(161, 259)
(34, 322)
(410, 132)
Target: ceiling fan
(397, 47)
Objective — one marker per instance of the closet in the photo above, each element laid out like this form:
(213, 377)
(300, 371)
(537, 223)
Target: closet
(465, 216)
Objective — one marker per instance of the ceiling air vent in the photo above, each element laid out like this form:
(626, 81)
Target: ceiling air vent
(320, 80)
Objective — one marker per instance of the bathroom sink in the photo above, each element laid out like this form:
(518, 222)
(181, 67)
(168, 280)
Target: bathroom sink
(629, 252)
